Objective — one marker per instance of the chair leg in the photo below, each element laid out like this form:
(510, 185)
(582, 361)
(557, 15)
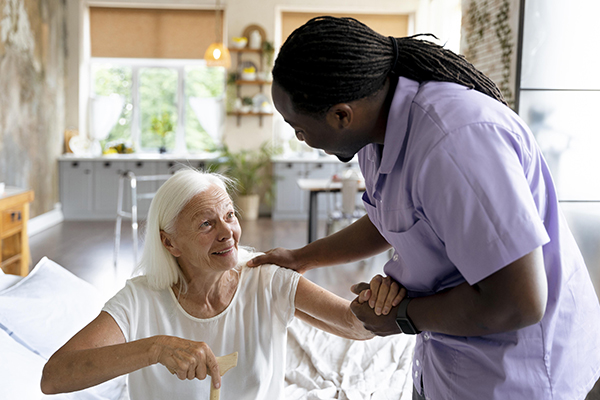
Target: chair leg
(134, 223)
(118, 223)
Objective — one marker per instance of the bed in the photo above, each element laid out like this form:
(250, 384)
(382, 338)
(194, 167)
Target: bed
(40, 312)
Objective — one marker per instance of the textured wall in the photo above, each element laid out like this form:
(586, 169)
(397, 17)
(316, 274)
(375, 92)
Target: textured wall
(32, 96)
(489, 40)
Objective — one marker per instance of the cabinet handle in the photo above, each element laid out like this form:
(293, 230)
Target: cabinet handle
(201, 165)
(107, 164)
(139, 164)
(87, 171)
(171, 164)
(319, 165)
(289, 165)
(74, 164)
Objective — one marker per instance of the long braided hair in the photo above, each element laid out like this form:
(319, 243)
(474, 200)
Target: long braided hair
(332, 60)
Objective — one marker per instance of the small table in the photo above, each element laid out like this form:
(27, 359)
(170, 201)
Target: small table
(14, 242)
(316, 186)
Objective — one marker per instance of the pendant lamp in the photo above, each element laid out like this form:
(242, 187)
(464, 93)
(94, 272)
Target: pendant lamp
(217, 54)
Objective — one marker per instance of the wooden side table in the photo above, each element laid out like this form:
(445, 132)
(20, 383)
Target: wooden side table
(14, 242)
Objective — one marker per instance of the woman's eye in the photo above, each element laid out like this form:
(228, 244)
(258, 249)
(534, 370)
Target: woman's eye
(205, 224)
(231, 215)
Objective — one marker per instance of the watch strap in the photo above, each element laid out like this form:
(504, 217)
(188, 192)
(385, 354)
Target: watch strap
(403, 320)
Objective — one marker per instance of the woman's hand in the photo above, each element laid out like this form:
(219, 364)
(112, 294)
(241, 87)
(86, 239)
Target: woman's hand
(187, 359)
(283, 257)
(382, 293)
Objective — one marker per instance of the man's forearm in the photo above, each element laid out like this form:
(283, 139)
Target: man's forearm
(356, 242)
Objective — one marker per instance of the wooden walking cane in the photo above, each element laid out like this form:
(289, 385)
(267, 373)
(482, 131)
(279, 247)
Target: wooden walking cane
(225, 364)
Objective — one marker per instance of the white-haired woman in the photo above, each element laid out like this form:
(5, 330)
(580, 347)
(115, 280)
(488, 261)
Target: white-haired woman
(194, 301)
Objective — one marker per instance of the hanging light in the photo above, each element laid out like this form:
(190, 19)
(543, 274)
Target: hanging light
(217, 54)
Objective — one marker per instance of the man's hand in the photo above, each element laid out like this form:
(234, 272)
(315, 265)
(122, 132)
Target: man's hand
(283, 257)
(381, 325)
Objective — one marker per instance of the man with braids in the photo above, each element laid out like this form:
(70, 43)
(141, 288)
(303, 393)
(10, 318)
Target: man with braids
(484, 268)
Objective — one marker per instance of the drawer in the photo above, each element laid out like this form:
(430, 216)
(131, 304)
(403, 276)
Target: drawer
(12, 218)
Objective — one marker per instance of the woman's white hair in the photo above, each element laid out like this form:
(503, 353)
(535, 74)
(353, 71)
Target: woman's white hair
(157, 263)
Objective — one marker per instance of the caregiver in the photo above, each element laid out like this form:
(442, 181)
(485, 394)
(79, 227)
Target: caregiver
(497, 290)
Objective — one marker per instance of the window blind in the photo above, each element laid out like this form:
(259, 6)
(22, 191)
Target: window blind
(152, 33)
(389, 25)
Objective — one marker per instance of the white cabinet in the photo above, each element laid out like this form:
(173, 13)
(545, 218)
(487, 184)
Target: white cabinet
(89, 187)
(76, 188)
(105, 182)
(290, 201)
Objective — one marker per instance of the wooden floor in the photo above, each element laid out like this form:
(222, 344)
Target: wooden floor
(86, 249)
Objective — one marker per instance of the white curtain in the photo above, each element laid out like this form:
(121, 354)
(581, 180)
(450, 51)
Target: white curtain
(210, 111)
(105, 113)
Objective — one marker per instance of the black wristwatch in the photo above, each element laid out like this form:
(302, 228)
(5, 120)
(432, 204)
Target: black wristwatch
(402, 319)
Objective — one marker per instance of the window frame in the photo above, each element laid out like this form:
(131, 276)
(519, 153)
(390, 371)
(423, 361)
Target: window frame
(136, 65)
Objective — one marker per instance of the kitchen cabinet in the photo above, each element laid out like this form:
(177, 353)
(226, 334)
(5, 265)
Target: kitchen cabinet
(89, 186)
(291, 202)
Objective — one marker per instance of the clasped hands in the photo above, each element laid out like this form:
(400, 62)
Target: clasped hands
(376, 303)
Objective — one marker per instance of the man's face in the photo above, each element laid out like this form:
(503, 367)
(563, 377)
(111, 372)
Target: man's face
(318, 133)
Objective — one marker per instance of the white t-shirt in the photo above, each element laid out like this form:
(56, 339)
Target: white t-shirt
(254, 325)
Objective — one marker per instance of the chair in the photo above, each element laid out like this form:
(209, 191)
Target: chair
(133, 180)
(347, 212)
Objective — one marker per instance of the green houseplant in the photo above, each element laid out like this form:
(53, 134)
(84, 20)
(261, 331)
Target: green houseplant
(162, 126)
(250, 169)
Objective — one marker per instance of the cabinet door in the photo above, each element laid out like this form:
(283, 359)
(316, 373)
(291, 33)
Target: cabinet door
(290, 201)
(76, 189)
(141, 168)
(106, 181)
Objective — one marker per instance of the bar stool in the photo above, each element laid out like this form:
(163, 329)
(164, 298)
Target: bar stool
(133, 180)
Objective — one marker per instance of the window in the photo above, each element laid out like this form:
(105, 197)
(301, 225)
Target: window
(185, 94)
(147, 71)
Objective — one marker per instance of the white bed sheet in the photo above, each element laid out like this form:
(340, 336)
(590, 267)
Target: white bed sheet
(324, 366)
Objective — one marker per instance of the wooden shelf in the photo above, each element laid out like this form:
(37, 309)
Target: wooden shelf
(244, 50)
(254, 82)
(239, 116)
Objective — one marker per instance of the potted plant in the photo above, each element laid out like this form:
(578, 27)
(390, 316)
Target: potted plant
(250, 169)
(162, 126)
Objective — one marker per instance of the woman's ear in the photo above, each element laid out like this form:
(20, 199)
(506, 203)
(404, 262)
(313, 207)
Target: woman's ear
(169, 244)
(340, 116)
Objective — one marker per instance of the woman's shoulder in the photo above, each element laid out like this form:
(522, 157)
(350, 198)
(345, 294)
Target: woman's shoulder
(266, 271)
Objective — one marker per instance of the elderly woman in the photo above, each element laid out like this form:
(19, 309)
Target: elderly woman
(194, 301)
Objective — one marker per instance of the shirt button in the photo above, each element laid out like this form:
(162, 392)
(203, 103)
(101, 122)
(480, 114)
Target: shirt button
(395, 257)
(426, 336)
(417, 362)
(416, 374)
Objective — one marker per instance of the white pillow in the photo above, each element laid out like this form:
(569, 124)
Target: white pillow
(47, 307)
(7, 280)
(20, 370)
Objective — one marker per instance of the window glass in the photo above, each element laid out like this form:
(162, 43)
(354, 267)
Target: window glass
(204, 90)
(158, 107)
(109, 79)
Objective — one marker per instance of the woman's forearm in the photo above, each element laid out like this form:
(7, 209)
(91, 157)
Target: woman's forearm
(328, 312)
(72, 370)
(356, 242)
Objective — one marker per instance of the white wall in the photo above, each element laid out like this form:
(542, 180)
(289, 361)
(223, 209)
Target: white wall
(428, 16)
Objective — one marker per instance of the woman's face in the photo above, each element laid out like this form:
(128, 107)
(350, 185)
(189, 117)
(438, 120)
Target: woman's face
(207, 232)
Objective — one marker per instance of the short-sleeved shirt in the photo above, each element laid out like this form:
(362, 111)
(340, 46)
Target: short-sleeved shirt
(254, 324)
(460, 190)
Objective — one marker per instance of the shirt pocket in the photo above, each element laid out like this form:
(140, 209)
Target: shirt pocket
(420, 262)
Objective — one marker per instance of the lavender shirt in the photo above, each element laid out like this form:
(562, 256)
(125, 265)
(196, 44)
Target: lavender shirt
(460, 189)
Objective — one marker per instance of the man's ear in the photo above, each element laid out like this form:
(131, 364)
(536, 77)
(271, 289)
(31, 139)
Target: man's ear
(167, 241)
(340, 116)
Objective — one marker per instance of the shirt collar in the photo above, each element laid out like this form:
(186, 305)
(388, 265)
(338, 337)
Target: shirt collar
(397, 123)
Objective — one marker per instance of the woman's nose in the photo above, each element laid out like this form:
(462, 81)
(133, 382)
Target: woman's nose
(225, 231)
